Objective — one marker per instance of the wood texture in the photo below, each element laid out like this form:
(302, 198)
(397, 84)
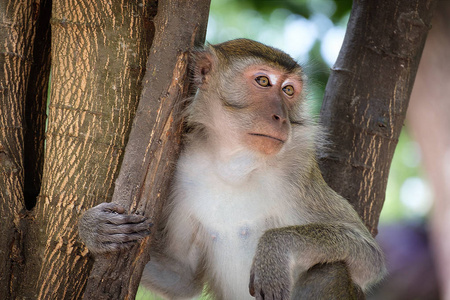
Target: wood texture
(17, 24)
(367, 96)
(152, 149)
(99, 49)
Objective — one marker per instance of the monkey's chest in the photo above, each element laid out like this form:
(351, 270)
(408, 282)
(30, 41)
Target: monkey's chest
(238, 216)
(233, 220)
(234, 206)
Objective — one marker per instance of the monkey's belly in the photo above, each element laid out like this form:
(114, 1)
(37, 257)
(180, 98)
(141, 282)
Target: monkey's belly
(233, 252)
(233, 227)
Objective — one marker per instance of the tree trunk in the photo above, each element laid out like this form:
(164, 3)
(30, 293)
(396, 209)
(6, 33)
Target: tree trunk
(99, 49)
(367, 96)
(428, 118)
(18, 22)
(153, 147)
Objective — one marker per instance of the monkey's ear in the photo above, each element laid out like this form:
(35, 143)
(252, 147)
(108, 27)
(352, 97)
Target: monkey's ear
(203, 64)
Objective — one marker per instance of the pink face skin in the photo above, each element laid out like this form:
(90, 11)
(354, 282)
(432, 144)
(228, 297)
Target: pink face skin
(272, 94)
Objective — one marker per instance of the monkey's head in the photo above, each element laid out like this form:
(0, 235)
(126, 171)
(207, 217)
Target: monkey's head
(249, 94)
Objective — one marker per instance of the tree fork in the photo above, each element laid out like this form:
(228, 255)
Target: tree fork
(153, 145)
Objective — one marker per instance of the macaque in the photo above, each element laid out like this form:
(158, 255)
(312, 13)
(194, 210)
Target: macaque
(249, 214)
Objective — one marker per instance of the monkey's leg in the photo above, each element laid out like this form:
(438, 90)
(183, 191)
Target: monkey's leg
(330, 281)
(171, 278)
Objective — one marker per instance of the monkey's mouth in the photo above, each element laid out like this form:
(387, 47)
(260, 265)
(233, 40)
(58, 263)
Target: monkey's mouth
(267, 136)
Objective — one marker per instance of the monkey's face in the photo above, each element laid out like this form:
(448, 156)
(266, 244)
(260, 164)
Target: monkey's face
(249, 95)
(263, 105)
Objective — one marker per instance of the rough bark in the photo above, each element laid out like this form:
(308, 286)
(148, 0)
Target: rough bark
(428, 119)
(17, 23)
(99, 49)
(153, 146)
(367, 96)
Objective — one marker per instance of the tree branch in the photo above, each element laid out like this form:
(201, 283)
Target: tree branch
(367, 96)
(153, 144)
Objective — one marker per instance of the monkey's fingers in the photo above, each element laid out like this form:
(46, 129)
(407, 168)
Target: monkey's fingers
(118, 242)
(267, 290)
(121, 239)
(255, 288)
(251, 285)
(111, 207)
(126, 219)
(143, 227)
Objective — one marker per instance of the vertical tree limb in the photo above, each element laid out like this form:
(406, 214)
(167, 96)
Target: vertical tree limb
(367, 96)
(152, 149)
(99, 49)
(17, 33)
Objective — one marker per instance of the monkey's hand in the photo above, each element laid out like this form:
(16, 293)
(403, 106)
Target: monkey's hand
(270, 277)
(106, 228)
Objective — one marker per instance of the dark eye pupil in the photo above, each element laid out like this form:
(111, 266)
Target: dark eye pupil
(263, 81)
(289, 90)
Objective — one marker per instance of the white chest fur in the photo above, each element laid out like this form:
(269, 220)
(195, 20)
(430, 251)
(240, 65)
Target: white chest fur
(234, 202)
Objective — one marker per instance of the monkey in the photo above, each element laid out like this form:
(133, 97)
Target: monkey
(249, 214)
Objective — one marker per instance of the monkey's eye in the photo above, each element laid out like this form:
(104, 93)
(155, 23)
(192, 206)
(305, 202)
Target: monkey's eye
(262, 81)
(288, 90)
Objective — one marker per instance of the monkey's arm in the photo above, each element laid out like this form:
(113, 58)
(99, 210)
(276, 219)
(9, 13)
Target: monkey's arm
(171, 270)
(284, 254)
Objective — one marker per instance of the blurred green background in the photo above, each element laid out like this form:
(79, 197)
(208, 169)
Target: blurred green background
(311, 31)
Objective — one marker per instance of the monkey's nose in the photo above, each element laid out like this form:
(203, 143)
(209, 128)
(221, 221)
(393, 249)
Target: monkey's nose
(278, 119)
